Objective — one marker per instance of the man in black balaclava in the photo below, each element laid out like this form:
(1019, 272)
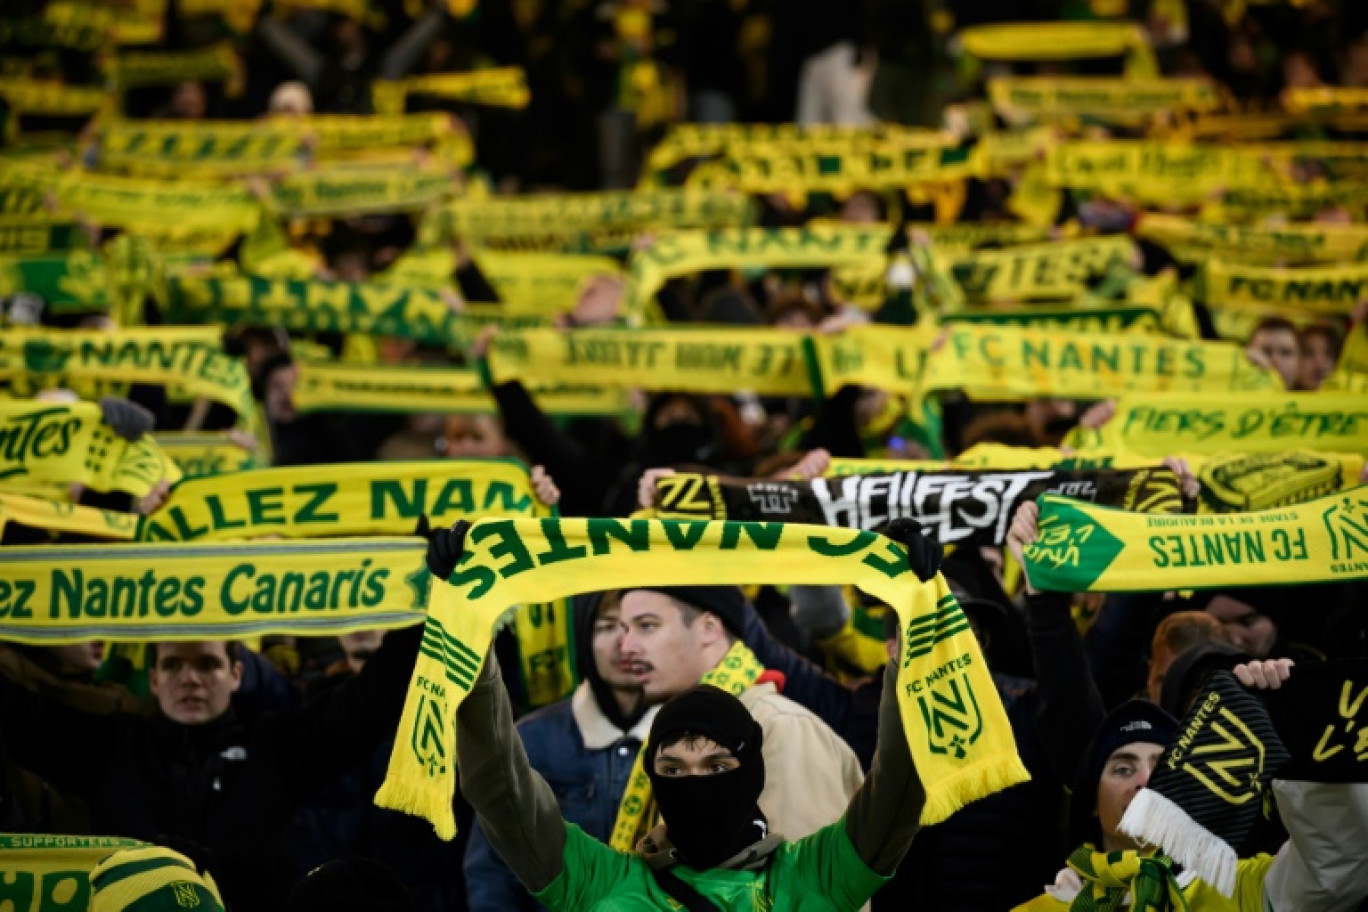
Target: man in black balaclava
(704, 763)
(707, 772)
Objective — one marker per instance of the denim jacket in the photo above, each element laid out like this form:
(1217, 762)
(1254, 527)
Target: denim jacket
(586, 760)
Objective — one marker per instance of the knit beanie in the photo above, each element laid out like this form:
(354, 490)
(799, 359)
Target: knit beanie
(151, 879)
(726, 602)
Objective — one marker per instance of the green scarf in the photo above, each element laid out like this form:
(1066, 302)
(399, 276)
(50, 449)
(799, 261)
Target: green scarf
(1108, 877)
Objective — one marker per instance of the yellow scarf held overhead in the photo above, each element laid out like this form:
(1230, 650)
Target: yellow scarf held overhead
(738, 670)
(208, 453)
(1081, 547)
(1326, 290)
(1058, 270)
(1063, 41)
(503, 87)
(1006, 363)
(685, 252)
(381, 498)
(63, 594)
(768, 362)
(70, 443)
(1157, 424)
(37, 513)
(508, 562)
(385, 388)
(1291, 244)
(1025, 99)
(544, 283)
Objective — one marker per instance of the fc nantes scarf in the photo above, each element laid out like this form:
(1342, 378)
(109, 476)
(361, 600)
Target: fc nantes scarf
(379, 498)
(69, 442)
(1158, 424)
(1081, 547)
(63, 594)
(953, 506)
(1207, 789)
(956, 728)
(737, 671)
(55, 865)
(38, 513)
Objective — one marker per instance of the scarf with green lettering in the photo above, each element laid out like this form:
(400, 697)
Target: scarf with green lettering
(955, 726)
(1082, 547)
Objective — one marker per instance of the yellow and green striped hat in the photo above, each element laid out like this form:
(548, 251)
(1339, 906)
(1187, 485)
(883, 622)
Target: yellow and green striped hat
(151, 879)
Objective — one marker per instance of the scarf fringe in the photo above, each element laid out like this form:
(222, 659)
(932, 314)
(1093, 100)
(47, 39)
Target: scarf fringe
(406, 798)
(954, 793)
(1158, 821)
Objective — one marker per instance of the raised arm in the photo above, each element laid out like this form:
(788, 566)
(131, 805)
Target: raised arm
(517, 810)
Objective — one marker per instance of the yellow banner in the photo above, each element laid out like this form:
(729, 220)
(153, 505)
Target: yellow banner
(381, 388)
(1061, 270)
(1292, 244)
(348, 190)
(53, 516)
(1005, 363)
(1062, 41)
(685, 252)
(70, 443)
(1323, 289)
(326, 501)
(1026, 99)
(503, 87)
(767, 362)
(63, 594)
(208, 453)
(561, 216)
(1160, 425)
(130, 201)
(182, 358)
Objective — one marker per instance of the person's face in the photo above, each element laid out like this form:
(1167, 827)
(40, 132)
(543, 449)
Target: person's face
(1280, 347)
(474, 437)
(280, 395)
(598, 303)
(79, 658)
(188, 102)
(694, 757)
(861, 209)
(676, 411)
(351, 267)
(359, 647)
(1298, 73)
(1251, 632)
(1125, 773)
(795, 319)
(1317, 361)
(664, 653)
(609, 660)
(194, 682)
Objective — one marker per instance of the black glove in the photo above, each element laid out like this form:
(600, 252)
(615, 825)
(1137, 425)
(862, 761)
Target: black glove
(445, 547)
(128, 419)
(924, 554)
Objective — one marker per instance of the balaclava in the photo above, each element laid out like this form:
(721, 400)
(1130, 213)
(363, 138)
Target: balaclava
(709, 819)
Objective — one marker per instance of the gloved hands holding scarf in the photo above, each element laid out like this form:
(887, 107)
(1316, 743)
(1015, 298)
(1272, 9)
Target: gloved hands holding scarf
(924, 554)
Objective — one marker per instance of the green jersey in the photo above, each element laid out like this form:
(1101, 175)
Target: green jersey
(820, 873)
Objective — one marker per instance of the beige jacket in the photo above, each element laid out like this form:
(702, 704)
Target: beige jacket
(810, 773)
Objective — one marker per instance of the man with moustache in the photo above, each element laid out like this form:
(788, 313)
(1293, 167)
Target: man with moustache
(583, 746)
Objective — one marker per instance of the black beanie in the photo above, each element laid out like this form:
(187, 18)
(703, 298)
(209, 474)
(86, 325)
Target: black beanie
(726, 602)
(712, 712)
(1132, 721)
(350, 885)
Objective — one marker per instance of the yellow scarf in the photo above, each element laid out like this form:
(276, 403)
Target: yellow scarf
(503, 87)
(62, 594)
(1051, 271)
(1025, 99)
(339, 190)
(1323, 289)
(1263, 245)
(1081, 547)
(54, 865)
(1063, 41)
(37, 513)
(1158, 425)
(213, 453)
(768, 362)
(380, 498)
(956, 729)
(70, 443)
(383, 388)
(637, 811)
